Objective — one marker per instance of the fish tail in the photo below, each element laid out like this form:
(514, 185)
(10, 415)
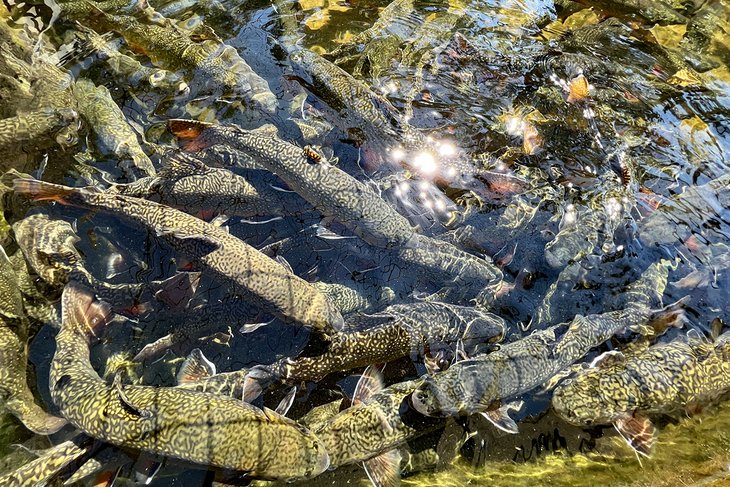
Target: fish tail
(188, 133)
(41, 190)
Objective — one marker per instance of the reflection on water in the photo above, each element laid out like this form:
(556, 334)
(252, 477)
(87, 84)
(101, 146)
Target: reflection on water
(517, 163)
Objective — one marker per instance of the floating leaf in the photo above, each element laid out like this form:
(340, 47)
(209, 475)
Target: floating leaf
(669, 36)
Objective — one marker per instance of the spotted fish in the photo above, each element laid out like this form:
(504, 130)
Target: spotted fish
(623, 390)
(230, 259)
(379, 421)
(114, 136)
(37, 130)
(49, 463)
(339, 196)
(14, 390)
(188, 184)
(332, 191)
(399, 330)
(49, 247)
(218, 66)
(482, 383)
(210, 430)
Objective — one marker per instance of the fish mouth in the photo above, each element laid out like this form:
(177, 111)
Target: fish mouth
(422, 400)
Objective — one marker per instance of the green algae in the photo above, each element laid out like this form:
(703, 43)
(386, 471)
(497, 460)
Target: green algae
(695, 451)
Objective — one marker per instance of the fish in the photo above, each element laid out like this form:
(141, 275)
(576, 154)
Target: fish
(356, 296)
(371, 430)
(192, 323)
(49, 463)
(400, 330)
(114, 136)
(625, 389)
(216, 66)
(342, 198)
(266, 282)
(365, 116)
(49, 247)
(38, 130)
(328, 188)
(209, 430)
(15, 392)
(186, 183)
(127, 68)
(484, 383)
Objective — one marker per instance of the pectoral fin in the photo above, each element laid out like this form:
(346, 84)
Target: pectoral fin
(286, 403)
(639, 432)
(384, 470)
(500, 417)
(196, 367)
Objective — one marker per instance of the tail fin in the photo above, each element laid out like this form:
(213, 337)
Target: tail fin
(40, 190)
(188, 133)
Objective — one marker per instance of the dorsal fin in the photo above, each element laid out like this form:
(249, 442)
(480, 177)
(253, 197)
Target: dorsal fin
(370, 383)
(608, 359)
(195, 367)
(81, 309)
(182, 164)
(188, 133)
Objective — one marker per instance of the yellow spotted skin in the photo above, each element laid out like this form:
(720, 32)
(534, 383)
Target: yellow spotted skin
(398, 331)
(664, 378)
(265, 281)
(188, 184)
(379, 424)
(328, 188)
(14, 390)
(206, 429)
(35, 130)
(218, 66)
(480, 383)
(48, 463)
(48, 246)
(113, 133)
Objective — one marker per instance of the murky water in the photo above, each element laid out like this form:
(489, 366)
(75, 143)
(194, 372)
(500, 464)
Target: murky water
(573, 144)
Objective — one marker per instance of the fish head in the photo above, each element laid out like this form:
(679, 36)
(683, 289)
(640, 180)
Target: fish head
(590, 399)
(431, 399)
(302, 61)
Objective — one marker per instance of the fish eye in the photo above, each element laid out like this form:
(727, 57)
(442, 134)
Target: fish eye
(157, 76)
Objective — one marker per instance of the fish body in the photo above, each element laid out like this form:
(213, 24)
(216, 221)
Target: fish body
(188, 184)
(378, 422)
(212, 61)
(358, 110)
(114, 136)
(481, 383)
(664, 378)
(15, 392)
(37, 130)
(49, 247)
(128, 68)
(398, 331)
(329, 189)
(50, 462)
(210, 430)
(230, 259)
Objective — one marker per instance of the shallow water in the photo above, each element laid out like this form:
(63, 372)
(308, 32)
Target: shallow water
(603, 192)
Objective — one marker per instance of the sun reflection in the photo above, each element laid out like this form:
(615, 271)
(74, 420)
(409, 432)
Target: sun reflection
(425, 163)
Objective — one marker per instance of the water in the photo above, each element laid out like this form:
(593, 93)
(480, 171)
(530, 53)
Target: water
(597, 125)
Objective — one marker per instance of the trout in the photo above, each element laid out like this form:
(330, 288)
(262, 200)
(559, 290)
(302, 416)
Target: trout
(231, 260)
(209, 430)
